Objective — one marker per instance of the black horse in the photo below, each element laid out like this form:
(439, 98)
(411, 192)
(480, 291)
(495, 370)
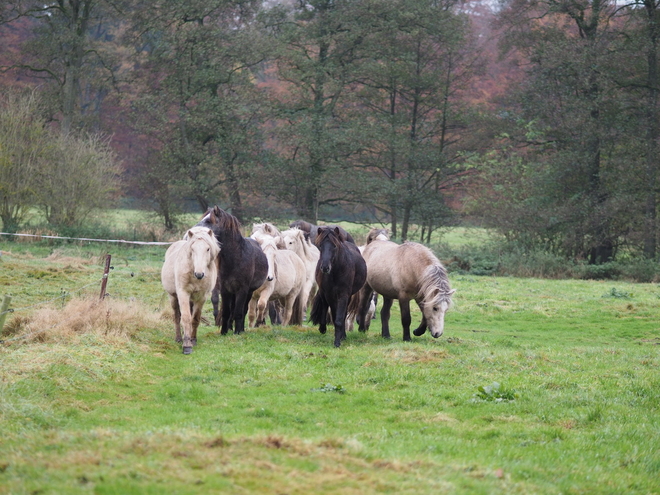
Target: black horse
(340, 273)
(312, 230)
(243, 268)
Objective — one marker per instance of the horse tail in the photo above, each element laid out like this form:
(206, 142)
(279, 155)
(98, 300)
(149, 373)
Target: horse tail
(318, 309)
(298, 312)
(353, 306)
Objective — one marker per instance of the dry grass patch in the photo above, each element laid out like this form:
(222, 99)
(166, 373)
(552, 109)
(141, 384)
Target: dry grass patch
(111, 319)
(416, 355)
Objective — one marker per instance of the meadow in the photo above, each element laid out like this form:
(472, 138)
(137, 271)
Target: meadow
(537, 386)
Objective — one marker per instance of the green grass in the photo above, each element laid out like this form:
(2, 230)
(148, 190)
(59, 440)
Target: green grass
(280, 410)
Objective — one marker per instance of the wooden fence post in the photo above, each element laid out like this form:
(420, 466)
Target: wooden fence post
(106, 271)
(4, 309)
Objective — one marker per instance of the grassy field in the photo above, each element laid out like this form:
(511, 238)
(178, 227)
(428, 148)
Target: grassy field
(97, 398)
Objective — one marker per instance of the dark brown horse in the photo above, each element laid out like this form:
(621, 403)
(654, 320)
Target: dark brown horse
(312, 230)
(243, 268)
(340, 273)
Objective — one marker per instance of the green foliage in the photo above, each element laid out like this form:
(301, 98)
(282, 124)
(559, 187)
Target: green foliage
(330, 388)
(495, 393)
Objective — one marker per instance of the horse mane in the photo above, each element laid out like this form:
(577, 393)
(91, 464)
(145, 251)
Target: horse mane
(202, 233)
(434, 285)
(222, 220)
(376, 233)
(266, 228)
(333, 235)
(296, 232)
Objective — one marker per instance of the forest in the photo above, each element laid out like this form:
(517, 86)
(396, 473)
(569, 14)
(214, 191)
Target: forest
(536, 118)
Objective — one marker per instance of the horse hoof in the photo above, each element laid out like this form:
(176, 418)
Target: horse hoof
(322, 330)
(178, 341)
(187, 350)
(419, 332)
(337, 344)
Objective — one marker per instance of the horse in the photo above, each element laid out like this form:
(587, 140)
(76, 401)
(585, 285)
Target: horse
(243, 269)
(188, 275)
(312, 230)
(263, 229)
(296, 241)
(404, 272)
(354, 305)
(285, 283)
(340, 273)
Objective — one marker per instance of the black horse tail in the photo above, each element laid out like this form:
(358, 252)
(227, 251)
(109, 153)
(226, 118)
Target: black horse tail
(319, 308)
(298, 312)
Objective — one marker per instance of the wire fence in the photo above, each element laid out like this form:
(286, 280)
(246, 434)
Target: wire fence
(64, 294)
(117, 241)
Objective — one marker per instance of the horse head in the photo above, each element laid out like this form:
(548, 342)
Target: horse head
(436, 298)
(269, 245)
(329, 242)
(203, 250)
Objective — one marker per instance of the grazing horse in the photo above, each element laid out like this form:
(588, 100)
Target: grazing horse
(340, 273)
(243, 268)
(285, 283)
(404, 272)
(295, 240)
(312, 230)
(188, 275)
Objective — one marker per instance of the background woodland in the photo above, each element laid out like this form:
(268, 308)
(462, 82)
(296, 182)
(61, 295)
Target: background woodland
(538, 119)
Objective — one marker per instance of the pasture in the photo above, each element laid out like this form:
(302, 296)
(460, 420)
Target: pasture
(112, 406)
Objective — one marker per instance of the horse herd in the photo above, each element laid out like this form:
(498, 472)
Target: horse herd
(282, 273)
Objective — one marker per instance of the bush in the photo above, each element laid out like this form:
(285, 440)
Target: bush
(502, 259)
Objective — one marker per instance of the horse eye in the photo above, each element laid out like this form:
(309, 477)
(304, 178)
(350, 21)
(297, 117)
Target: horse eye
(435, 308)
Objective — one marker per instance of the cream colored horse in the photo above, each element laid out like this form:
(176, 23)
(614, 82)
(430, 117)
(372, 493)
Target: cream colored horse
(296, 241)
(404, 272)
(188, 275)
(285, 283)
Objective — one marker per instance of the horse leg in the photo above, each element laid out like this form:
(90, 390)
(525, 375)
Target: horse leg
(385, 317)
(174, 301)
(240, 308)
(288, 309)
(404, 304)
(421, 329)
(227, 305)
(186, 321)
(215, 300)
(252, 313)
(339, 314)
(196, 319)
(262, 306)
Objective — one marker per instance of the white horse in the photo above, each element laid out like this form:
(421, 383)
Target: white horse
(188, 275)
(285, 283)
(261, 230)
(295, 240)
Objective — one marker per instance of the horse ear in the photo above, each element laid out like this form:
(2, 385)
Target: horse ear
(339, 234)
(319, 230)
(189, 235)
(211, 232)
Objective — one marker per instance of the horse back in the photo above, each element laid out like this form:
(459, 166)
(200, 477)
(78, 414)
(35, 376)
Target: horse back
(394, 270)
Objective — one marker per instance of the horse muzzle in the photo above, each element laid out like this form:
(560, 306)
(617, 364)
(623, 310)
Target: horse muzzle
(199, 275)
(326, 269)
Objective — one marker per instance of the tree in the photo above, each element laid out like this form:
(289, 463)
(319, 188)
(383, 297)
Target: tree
(571, 113)
(318, 60)
(202, 108)
(23, 139)
(411, 91)
(80, 174)
(68, 51)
